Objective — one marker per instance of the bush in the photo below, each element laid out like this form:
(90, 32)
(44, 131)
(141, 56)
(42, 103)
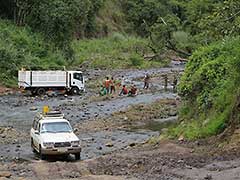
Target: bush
(19, 47)
(136, 60)
(210, 87)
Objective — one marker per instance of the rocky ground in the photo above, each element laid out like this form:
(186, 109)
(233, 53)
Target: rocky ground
(120, 135)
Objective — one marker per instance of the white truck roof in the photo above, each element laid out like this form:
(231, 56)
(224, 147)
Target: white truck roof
(51, 120)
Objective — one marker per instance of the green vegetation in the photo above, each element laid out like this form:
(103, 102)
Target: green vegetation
(115, 51)
(21, 48)
(210, 88)
(183, 26)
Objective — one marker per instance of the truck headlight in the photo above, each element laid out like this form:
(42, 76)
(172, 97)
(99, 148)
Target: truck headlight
(48, 144)
(75, 143)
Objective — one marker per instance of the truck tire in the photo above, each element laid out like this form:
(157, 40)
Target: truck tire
(75, 91)
(41, 91)
(32, 146)
(77, 156)
(33, 92)
(42, 156)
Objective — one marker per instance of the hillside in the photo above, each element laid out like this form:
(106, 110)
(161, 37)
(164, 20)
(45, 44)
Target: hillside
(20, 48)
(210, 91)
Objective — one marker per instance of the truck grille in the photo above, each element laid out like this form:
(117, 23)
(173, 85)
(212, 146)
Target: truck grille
(62, 144)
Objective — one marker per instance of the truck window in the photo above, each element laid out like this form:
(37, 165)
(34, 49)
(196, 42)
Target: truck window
(78, 76)
(33, 124)
(38, 127)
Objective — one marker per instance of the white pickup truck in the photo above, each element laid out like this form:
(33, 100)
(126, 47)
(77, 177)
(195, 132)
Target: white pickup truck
(38, 82)
(52, 134)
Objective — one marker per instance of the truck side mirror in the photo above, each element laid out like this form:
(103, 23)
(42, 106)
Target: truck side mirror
(37, 132)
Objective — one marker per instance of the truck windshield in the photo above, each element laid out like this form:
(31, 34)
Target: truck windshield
(55, 127)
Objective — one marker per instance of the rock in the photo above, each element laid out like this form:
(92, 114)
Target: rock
(132, 144)
(208, 177)
(113, 139)
(109, 144)
(172, 113)
(5, 174)
(181, 138)
(99, 148)
(180, 161)
(33, 108)
(3, 136)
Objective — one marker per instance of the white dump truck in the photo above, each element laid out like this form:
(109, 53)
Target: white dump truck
(38, 82)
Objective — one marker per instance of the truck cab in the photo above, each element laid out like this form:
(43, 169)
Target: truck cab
(76, 83)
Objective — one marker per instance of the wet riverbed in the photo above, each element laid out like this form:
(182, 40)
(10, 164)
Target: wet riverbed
(15, 112)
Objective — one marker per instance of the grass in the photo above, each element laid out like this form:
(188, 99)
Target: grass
(114, 52)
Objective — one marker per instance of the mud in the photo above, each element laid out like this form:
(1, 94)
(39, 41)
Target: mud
(18, 110)
(114, 132)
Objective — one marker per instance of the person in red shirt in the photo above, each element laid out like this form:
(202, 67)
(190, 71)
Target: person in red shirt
(133, 91)
(124, 91)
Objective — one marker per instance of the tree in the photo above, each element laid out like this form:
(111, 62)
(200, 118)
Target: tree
(57, 20)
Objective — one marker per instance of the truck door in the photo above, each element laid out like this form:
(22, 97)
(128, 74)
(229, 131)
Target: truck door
(78, 80)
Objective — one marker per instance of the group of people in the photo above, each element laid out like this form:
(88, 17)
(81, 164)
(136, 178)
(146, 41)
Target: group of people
(109, 86)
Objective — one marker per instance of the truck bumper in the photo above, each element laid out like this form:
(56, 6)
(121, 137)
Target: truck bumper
(62, 150)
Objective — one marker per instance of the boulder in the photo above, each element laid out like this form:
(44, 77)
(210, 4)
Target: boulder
(5, 174)
(109, 144)
(33, 108)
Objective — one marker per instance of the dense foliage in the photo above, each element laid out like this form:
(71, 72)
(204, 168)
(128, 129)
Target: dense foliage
(179, 25)
(21, 48)
(182, 25)
(58, 20)
(210, 89)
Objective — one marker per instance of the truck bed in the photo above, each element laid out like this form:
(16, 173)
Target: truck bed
(42, 79)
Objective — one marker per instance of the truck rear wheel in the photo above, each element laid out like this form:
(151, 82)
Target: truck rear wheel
(41, 91)
(75, 91)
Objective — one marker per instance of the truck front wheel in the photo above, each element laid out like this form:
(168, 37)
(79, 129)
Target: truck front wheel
(77, 156)
(75, 91)
(41, 91)
(42, 156)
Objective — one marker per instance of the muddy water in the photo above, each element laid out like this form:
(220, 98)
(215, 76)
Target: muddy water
(74, 108)
(15, 112)
(93, 144)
